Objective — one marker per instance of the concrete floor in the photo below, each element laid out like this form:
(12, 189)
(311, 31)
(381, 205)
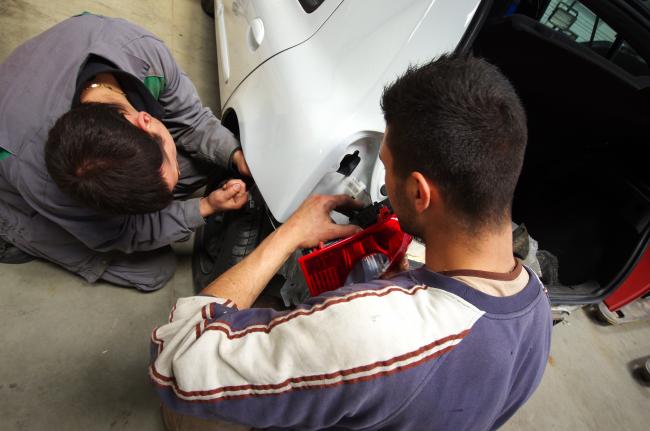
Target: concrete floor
(74, 356)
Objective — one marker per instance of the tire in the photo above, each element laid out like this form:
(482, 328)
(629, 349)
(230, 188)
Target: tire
(208, 7)
(228, 238)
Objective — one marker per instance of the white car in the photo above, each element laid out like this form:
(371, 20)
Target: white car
(305, 87)
(300, 83)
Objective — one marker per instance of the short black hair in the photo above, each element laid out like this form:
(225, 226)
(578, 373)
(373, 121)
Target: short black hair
(459, 122)
(95, 155)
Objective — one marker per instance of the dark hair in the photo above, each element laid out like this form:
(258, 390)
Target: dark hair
(94, 154)
(459, 122)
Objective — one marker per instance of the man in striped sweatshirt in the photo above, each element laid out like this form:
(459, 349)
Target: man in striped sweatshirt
(459, 344)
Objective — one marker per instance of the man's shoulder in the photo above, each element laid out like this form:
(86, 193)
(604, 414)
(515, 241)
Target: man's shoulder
(108, 37)
(401, 280)
(109, 27)
(404, 295)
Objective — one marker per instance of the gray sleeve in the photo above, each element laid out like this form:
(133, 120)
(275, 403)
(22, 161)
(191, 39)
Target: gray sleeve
(125, 233)
(192, 125)
(143, 232)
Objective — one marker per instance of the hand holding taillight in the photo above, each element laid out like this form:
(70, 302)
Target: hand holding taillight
(312, 224)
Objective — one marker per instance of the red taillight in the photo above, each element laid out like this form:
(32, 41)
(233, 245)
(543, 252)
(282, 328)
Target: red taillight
(327, 267)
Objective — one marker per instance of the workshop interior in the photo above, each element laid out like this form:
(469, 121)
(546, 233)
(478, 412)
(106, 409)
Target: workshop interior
(298, 84)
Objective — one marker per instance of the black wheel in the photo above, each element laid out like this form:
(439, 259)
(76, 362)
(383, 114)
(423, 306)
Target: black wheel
(208, 7)
(228, 238)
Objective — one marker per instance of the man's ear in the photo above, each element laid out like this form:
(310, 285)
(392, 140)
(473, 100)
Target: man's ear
(143, 120)
(140, 119)
(426, 193)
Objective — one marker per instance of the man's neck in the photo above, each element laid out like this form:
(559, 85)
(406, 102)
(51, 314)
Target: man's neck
(450, 249)
(102, 94)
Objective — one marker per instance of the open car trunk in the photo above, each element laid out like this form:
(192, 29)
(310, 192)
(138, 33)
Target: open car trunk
(584, 190)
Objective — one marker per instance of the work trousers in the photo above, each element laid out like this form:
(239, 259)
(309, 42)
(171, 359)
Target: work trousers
(146, 270)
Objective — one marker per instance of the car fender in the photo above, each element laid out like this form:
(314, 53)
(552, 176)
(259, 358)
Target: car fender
(300, 111)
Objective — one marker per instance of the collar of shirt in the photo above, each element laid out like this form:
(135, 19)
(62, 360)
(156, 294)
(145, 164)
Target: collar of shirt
(136, 92)
(519, 302)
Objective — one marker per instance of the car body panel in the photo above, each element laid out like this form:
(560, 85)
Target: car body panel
(300, 111)
(250, 32)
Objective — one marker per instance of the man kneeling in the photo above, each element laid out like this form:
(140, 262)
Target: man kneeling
(103, 140)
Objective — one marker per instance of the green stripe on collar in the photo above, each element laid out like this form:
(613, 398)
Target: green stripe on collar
(4, 154)
(155, 85)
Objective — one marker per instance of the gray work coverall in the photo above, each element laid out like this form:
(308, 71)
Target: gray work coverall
(37, 85)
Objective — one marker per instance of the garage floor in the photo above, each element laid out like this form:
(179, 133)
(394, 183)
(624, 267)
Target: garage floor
(74, 356)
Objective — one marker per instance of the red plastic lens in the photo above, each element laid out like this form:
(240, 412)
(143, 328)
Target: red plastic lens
(327, 268)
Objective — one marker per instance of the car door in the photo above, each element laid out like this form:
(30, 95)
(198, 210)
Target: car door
(249, 32)
(618, 30)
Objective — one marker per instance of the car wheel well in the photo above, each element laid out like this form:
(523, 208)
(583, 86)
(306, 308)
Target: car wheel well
(230, 121)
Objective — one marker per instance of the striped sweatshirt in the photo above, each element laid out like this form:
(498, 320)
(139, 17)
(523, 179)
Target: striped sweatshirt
(421, 351)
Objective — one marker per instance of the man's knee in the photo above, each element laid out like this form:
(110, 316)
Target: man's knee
(162, 273)
(146, 271)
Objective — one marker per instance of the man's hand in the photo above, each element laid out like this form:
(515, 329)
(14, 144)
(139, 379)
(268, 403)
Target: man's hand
(311, 223)
(240, 163)
(231, 196)
(308, 226)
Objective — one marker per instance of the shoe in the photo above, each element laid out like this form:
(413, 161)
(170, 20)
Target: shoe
(9, 253)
